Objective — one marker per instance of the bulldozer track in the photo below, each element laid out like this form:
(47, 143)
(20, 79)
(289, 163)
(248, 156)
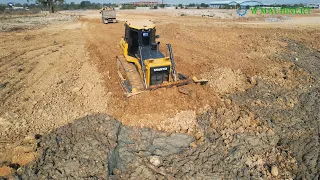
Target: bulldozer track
(131, 74)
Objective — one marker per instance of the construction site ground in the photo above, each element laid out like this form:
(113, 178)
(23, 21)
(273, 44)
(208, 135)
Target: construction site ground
(258, 116)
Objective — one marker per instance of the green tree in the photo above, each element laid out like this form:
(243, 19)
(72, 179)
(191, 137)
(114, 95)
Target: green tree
(128, 7)
(299, 5)
(49, 3)
(73, 5)
(85, 4)
(203, 5)
(180, 6)
(227, 6)
(2, 7)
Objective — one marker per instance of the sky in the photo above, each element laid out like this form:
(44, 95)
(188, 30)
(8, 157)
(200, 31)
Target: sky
(175, 1)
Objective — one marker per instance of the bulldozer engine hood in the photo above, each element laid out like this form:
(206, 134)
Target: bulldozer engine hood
(148, 53)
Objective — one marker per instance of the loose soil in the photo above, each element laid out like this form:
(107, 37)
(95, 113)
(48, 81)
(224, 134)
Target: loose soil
(256, 118)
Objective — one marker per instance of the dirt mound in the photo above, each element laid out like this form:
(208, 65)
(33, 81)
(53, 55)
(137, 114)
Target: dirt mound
(292, 112)
(225, 80)
(307, 58)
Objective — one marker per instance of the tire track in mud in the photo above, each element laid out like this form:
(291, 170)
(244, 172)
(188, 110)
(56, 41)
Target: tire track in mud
(103, 47)
(26, 46)
(24, 66)
(22, 60)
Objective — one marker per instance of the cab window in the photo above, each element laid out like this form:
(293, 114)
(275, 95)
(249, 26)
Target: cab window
(145, 38)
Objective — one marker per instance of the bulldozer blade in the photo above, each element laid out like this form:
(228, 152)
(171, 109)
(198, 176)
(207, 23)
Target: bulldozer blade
(133, 94)
(201, 81)
(171, 84)
(195, 79)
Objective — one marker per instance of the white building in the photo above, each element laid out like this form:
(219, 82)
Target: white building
(314, 5)
(218, 4)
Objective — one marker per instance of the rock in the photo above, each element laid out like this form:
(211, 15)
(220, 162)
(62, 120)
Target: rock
(193, 145)
(23, 159)
(241, 130)
(253, 80)
(4, 123)
(159, 142)
(270, 132)
(29, 140)
(183, 90)
(155, 160)
(5, 171)
(76, 89)
(249, 162)
(202, 139)
(198, 135)
(144, 153)
(3, 85)
(259, 162)
(23, 149)
(116, 171)
(179, 140)
(228, 102)
(274, 171)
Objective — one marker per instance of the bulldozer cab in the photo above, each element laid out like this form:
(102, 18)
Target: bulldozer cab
(141, 37)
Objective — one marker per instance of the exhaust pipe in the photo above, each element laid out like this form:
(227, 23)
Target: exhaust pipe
(158, 45)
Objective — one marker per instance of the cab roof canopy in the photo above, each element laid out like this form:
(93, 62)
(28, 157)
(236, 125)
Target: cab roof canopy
(141, 24)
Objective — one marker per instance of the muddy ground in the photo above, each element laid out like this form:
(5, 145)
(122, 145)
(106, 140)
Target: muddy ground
(258, 117)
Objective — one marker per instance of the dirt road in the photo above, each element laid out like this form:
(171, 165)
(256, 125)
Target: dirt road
(49, 77)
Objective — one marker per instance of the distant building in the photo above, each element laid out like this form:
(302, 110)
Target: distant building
(11, 6)
(149, 3)
(314, 5)
(217, 4)
(17, 8)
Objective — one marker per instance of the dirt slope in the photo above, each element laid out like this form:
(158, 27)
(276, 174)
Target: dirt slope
(46, 82)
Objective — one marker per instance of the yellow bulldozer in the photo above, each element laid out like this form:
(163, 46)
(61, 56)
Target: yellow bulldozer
(142, 66)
